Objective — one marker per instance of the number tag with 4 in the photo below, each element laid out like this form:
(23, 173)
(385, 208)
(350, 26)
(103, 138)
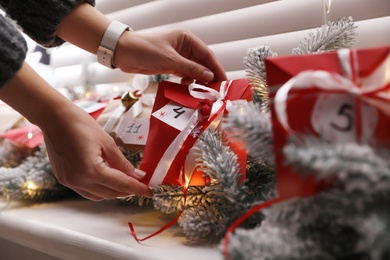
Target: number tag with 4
(174, 115)
(334, 118)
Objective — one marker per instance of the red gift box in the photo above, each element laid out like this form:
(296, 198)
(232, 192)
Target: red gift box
(174, 127)
(341, 96)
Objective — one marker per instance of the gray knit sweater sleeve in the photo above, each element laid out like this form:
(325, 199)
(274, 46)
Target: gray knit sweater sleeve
(41, 18)
(13, 49)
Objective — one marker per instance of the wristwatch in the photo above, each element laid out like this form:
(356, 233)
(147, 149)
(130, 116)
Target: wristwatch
(105, 52)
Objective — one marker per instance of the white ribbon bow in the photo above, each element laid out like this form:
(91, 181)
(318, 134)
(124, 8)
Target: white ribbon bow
(211, 94)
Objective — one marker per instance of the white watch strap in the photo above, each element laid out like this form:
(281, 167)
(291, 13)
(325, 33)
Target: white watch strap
(105, 52)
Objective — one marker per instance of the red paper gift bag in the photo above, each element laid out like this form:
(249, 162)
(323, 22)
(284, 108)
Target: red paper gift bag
(341, 96)
(178, 117)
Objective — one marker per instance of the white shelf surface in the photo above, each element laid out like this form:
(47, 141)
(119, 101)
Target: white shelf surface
(81, 229)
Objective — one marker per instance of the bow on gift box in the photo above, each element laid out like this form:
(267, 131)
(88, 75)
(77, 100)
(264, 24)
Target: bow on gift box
(180, 114)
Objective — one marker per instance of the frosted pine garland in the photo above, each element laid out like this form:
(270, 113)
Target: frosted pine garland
(169, 198)
(32, 180)
(329, 37)
(229, 195)
(247, 123)
(255, 72)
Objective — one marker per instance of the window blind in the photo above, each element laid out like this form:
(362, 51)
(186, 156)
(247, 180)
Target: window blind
(229, 27)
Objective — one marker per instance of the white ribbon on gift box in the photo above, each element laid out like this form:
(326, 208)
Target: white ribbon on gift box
(326, 82)
(171, 152)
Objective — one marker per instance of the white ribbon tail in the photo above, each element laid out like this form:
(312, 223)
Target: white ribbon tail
(166, 160)
(208, 93)
(109, 125)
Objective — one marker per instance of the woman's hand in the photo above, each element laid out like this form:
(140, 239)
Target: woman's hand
(83, 156)
(177, 52)
(87, 160)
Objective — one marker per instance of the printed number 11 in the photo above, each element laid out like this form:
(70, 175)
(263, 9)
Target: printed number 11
(130, 127)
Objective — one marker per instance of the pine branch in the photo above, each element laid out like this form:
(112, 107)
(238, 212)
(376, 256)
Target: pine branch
(350, 220)
(252, 127)
(260, 180)
(375, 230)
(169, 198)
(221, 165)
(272, 242)
(39, 161)
(12, 154)
(329, 37)
(254, 61)
(229, 196)
(134, 157)
(33, 180)
(135, 201)
(256, 73)
(358, 168)
(204, 222)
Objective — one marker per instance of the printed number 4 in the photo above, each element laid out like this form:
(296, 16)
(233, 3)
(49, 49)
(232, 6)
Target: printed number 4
(178, 112)
(345, 111)
(136, 128)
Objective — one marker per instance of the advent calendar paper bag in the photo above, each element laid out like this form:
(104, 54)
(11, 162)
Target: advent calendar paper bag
(174, 110)
(341, 96)
(130, 126)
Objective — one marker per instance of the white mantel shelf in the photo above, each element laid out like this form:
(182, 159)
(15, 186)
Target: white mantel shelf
(81, 229)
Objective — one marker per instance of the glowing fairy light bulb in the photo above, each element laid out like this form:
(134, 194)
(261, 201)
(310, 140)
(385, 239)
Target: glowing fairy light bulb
(115, 88)
(29, 135)
(31, 185)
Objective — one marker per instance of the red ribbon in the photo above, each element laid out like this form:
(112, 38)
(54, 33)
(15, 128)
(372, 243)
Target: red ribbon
(165, 227)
